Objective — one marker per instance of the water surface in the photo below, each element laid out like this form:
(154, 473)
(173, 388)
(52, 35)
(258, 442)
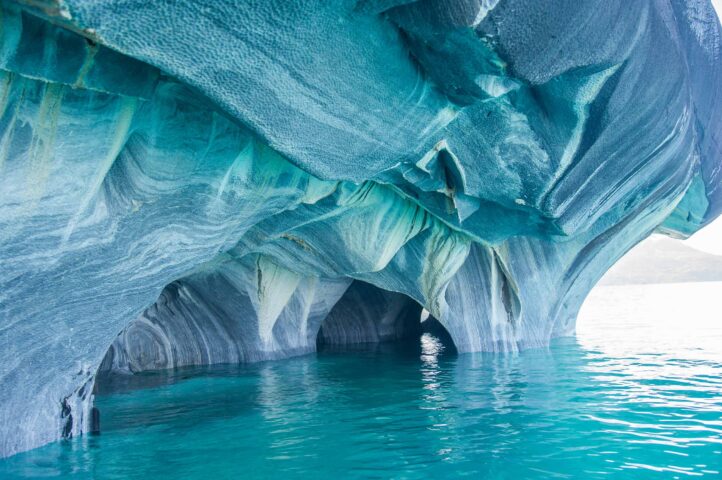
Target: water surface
(638, 394)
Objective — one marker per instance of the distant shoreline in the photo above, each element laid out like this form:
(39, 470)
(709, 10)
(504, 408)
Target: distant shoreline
(661, 260)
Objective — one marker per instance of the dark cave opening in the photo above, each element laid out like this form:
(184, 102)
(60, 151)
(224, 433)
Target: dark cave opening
(367, 317)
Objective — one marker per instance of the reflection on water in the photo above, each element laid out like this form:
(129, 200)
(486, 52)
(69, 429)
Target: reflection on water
(627, 399)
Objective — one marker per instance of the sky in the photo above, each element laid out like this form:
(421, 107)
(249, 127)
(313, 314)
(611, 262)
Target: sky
(709, 239)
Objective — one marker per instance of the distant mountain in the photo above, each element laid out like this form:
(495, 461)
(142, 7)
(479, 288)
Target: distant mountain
(661, 259)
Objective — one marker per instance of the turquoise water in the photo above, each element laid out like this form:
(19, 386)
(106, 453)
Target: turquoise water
(630, 397)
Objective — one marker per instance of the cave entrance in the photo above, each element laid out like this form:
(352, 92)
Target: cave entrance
(366, 319)
(370, 317)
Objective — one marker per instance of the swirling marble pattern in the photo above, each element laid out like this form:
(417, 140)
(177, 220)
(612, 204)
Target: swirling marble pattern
(201, 182)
